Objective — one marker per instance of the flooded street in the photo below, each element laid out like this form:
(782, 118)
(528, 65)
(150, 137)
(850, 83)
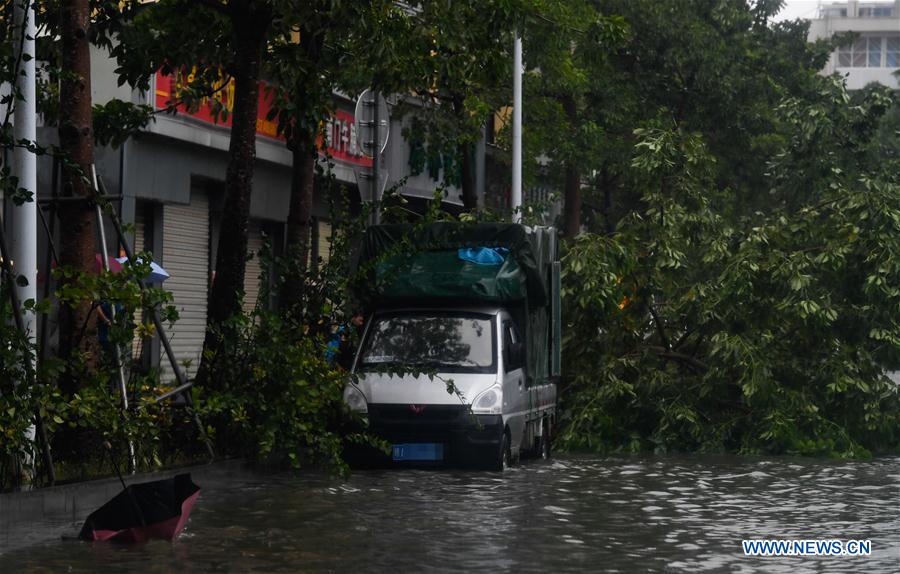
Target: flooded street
(574, 513)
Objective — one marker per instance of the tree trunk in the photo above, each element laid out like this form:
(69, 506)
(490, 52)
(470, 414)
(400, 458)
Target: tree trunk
(572, 201)
(572, 190)
(606, 184)
(303, 152)
(466, 152)
(467, 165)
(299, 223)
(249, 23)
(77, 231)
(77, 219)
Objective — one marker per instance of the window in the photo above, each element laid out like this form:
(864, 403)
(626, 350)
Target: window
(864, 52)
(892, 52)
(875, 12)
(445, 342)
(860, 48)
(511, 337)
(874, 52)
(845, 57)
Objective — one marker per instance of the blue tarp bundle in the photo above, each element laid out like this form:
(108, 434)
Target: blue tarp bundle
(435, 270)
(484, 255)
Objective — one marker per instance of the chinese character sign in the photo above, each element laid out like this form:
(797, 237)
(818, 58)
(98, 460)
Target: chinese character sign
(339, 134)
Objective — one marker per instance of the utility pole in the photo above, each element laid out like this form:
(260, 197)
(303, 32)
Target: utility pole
(23, 218)
(376, 157)
(517, 132)
(371, 111)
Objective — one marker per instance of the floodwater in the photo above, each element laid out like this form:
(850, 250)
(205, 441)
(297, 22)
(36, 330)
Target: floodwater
(570, 514)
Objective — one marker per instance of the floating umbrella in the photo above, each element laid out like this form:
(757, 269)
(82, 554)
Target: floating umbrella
(157, 273)
(156, 509)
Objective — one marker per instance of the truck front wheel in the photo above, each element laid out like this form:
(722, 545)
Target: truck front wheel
(504, 460)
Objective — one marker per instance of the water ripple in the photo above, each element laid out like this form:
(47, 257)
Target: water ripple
(673, 514)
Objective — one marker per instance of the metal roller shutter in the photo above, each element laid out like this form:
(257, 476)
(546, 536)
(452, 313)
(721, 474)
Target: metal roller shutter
(186, 258)
(323, 249)
(253, 269)
(137, 343)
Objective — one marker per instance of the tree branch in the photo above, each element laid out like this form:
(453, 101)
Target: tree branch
(540, 16)
(434, 95)
(683, 338)
(214, 5)
(680, 358)
(659, 327)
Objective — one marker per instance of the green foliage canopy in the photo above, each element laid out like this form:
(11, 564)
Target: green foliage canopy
(763, 331)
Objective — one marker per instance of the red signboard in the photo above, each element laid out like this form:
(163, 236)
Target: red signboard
(341, 139)
(339, 132)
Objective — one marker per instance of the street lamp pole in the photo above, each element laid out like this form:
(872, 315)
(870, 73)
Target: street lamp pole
(23, 218)
(517, 131)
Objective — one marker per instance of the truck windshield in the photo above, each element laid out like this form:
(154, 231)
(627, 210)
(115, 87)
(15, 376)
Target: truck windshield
(445, 343)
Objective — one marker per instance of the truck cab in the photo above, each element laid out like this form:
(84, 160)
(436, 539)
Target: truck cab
(449, 378)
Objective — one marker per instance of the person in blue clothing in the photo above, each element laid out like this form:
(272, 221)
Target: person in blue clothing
(342, 345)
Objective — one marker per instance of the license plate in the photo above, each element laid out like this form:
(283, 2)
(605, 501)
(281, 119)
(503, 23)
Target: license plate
(418, 451)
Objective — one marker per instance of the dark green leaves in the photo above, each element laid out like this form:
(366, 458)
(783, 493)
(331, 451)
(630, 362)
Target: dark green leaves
(748, 299)
(116, 121)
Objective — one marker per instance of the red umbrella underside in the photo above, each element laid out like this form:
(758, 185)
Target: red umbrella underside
(156, 509)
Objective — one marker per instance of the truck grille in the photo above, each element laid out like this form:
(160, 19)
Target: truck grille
(416, 413)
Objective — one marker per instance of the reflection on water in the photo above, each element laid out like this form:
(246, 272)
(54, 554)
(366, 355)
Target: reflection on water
(675, 514)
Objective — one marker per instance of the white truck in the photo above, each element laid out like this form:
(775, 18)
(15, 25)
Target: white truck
(460, 353)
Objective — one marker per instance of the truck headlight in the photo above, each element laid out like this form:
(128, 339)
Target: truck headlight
(355, 399)
(488, 402)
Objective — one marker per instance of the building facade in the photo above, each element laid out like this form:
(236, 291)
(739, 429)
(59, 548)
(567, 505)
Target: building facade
(874, 56)
(170, 181)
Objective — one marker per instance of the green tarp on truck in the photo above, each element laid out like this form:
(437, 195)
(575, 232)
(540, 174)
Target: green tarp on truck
(421, 262)
(421, 265)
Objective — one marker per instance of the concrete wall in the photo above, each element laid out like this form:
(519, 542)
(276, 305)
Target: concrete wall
(858, 78)
(161, 169)
(104, 86)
